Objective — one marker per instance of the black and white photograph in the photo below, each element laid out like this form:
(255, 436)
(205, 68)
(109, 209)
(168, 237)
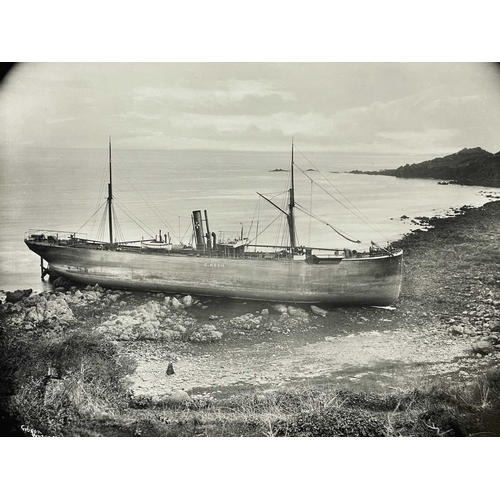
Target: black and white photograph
(259, 249)
(211, 248)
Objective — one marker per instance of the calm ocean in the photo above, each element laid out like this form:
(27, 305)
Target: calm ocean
(61, 188)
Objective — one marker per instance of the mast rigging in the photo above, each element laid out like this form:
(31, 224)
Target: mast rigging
(110, 197)
(291, 220)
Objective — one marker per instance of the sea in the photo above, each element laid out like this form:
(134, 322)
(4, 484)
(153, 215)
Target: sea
(49, 189)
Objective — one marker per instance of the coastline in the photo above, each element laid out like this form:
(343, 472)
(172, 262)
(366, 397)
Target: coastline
(445, 326)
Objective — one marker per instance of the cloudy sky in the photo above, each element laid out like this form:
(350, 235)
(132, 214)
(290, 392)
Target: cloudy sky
(434, 108)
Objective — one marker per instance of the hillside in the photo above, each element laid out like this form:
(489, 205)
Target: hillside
(468, 166)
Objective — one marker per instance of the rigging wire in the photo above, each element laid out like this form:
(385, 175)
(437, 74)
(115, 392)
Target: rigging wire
(119, 236)
(310, 218)
(127, 193)
(87, 221)
(154, 208)
(267, 227)
(338, 201)
(257, 227)
(99, 197)
(302, 209)
(363, 217)
(102, 227)
(281, 232)
(185, 232)
(135, 220)
(253, 218)
(274, 195)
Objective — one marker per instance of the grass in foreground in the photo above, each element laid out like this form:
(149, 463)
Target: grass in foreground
(74, 385)
(436, 410)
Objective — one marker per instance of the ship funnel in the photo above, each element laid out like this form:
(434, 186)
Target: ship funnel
(198, 230)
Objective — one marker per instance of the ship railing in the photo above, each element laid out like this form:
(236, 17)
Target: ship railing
(230, 238)
(54, 237)
(299, 250)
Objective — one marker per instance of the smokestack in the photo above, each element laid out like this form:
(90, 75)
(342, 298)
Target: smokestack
(198, 230)
(209, 243)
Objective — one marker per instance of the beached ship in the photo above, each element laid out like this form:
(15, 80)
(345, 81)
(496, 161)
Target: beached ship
(225, 267)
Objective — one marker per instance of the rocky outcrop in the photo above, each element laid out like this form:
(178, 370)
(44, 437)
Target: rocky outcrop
(13, 297)
(470, 166)
(117, 315)
(473, 166)
(157, 319)
(246, 322)
(35, 309)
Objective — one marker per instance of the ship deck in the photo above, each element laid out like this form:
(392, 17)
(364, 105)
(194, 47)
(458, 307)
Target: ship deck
(312, 255)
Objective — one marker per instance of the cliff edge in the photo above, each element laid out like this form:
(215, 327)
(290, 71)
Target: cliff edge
(472, 166)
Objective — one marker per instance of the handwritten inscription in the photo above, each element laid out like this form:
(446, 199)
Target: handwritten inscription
(213, 264)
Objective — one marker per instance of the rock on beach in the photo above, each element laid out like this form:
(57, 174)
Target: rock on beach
(482, 347)
(318, 311)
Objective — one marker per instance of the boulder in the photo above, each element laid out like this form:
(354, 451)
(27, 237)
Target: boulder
(282, 309)
(142, 322)
(297, 312)
(58, 308)
(264, 312)
(37, 308)
(179, 397)
(62, 282)
(176, 304)
(457, 330)
(246, 321)
(187, 301)
(482, 347)
(495, 326)
(168, 335)
(18, 295)
(205, 333)
(317, 310)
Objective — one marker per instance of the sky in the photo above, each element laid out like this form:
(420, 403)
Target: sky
(347, 107)
(351, 107)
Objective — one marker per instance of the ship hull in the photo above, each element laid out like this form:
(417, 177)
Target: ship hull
(356, 281)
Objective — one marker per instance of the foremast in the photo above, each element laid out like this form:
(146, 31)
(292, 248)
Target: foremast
(291, 219)
(110, 197)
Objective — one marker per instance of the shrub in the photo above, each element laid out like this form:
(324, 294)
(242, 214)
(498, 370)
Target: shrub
(47, 383)
(337, 421)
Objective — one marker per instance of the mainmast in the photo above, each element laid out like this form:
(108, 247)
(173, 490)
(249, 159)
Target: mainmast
(110, 196)
(291, 220)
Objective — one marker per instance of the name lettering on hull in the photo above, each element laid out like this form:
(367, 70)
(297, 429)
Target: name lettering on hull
(213, 264)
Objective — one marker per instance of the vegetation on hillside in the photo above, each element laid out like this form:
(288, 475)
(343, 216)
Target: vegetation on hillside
(48, 385)
(470, 166)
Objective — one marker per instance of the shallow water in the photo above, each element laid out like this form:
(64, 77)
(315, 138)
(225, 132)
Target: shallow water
(61, 188)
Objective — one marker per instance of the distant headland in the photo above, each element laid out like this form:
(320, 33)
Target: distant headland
(470, 166)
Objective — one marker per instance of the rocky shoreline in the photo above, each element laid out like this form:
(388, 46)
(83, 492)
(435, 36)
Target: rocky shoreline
(445, 324)
(469, 167)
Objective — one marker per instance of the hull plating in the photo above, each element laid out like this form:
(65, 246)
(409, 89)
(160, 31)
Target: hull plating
(364, 281)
